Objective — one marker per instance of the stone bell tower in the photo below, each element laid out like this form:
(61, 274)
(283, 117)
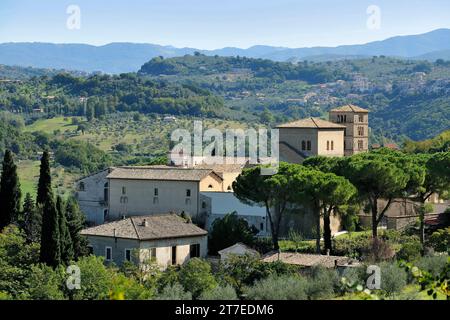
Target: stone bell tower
(356, 122)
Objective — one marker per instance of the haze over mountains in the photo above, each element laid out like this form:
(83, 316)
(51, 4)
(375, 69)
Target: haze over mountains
(129, 57)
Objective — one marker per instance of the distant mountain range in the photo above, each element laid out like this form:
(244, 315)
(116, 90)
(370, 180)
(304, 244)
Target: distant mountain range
(129, 57)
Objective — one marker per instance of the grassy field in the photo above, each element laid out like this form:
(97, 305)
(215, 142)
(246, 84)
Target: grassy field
(51, 125)
(28, 171)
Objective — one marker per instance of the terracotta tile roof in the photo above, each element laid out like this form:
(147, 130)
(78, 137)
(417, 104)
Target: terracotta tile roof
(349, 108)
(157, 226)
(222, 168)
(308, 260)
(159, 173)
(314, 123)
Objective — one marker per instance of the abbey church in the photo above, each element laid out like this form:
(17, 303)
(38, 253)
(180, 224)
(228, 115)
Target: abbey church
(346, 133)
(141, 206)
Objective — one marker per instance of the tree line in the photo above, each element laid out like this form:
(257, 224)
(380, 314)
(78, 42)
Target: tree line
(52, 222)
(329, 185)
(97, 95)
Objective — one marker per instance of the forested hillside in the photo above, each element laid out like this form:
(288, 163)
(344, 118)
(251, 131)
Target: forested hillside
(100, 94)
(406, 98)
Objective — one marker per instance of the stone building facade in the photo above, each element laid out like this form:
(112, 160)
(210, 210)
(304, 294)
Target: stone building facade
(166, 239)
(356, 122)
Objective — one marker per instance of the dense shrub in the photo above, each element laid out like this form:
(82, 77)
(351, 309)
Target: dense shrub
(322, 283)
(174, 292)
(196, 277)
(393, 278)
(378, 250)
(433, 264)
(220, 293)
(44, 283)
(279, 288)
(241, 271)
(96, 281)
(440, 240)
(229, 230)
(409, 251)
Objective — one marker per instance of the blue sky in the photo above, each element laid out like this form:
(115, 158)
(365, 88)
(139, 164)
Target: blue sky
(210, 24)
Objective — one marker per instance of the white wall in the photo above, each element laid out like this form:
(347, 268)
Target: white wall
(91, 200)
(140, 194)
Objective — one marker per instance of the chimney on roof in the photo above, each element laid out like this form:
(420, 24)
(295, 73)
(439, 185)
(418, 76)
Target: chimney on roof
(144, 223)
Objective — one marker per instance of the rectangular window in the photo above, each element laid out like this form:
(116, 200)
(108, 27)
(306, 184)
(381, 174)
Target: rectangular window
(90, 249)
(194, 251)
(309, 145)
(128, 254)
(328, 145)
(108, 253)
(261, 226)
(332, 145)
(360, 144)
(153, 253)
(361, 131)
(188, 192)
(124, 190)
(361, 118)
(156, 192)
(174, 255)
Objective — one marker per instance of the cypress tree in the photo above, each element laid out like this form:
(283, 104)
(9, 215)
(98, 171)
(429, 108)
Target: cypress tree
(9, 192)
(45, 180)
(50, 239)
(32, 219)
(64, 234)
(75, 222)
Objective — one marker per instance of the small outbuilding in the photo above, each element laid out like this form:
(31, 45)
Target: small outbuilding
(239, 249)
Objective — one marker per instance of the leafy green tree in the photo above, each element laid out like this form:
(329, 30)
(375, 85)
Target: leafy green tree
(229, 230)
(16, 258)
(65, 239)
(44, 283)
(9, 192)
(45, 179)
(274, 192)
(196, 277)
(326, 192)
(437, 180)
(96, 279)
(75, 223)
(376, 177)
(168, 278)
